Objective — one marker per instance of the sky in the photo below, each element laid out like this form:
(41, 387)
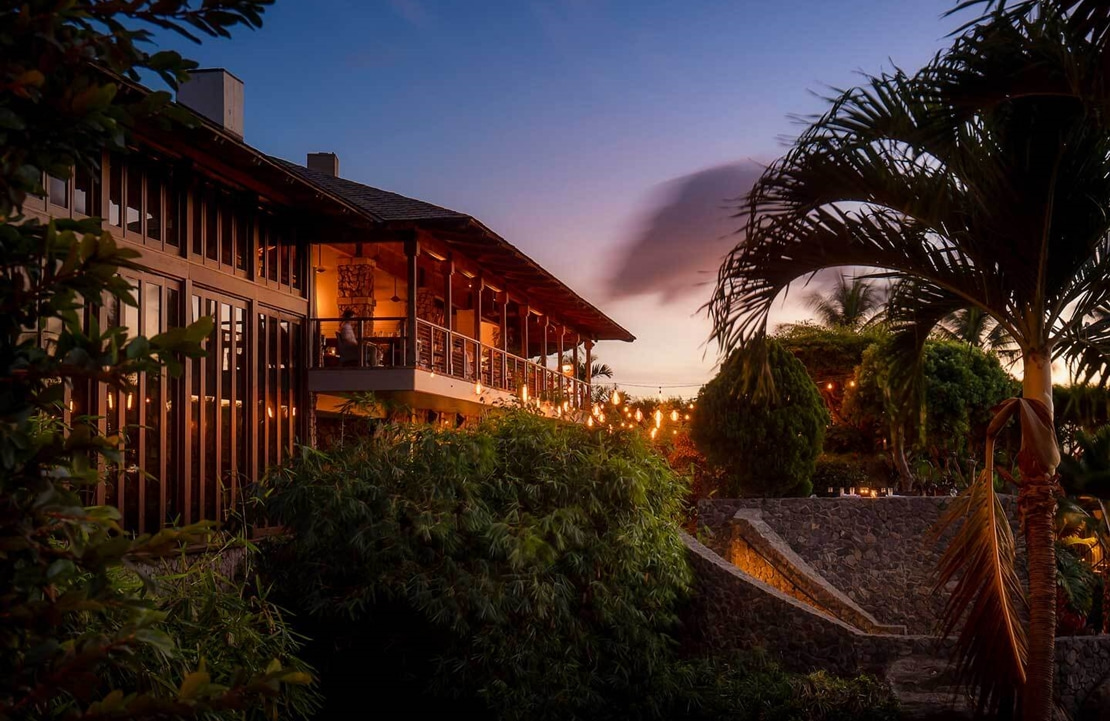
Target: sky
(607, 140)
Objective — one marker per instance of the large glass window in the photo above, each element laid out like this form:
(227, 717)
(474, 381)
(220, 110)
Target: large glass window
(153, 204)
(115, 191)
(211, 224)
(86, 193)
(134, 198)
(57, 189)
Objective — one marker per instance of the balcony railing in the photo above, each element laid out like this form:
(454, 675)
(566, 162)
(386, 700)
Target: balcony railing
(381, 343)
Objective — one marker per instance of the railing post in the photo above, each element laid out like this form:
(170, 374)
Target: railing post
(449, 311)
(412, 250)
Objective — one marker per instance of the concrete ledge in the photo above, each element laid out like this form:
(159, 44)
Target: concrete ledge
(756, 549)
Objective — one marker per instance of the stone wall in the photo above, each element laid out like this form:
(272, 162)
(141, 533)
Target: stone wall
(732, 611)
(875, 550)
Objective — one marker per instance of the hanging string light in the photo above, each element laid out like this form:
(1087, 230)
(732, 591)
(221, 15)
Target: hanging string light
(616, 399)
(478, 388)
(653, 432)
(590, 422)
(674, 415)
(658, 418)
(639, 415)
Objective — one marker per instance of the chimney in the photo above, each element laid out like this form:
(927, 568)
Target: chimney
(217, 95)
(326, 163)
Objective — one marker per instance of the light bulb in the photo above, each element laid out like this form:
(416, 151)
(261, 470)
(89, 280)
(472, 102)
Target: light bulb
(639, 415)
(616, 399)
(524, 393)
(674, 415)
(590, 422)
(478, 388)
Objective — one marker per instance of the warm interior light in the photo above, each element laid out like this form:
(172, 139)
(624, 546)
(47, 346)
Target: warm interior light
(270, 411)
(130, 398)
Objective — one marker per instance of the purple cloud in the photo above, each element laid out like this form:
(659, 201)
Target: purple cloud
(684, 237)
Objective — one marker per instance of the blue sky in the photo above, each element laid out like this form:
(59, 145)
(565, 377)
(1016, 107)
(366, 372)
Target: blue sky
(559, 122)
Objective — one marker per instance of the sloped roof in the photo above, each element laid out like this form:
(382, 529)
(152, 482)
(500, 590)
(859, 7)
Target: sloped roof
(475, 240)
(382, 204)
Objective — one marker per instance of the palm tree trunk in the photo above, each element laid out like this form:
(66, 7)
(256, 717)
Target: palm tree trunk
(905, 475)
(1037, 501)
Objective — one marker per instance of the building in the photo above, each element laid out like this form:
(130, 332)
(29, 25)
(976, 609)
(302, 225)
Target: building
(319, 287)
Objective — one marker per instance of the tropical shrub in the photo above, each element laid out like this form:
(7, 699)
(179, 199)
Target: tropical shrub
(751, 687)
(838, 472)
(66, 628)
(764, 447)
(226, 624)
(539, 562)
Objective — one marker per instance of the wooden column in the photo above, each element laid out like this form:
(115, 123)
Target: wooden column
(478, 286)
(504, 298)
(574, 373)
(412, 252)
(589, 345)
(543, 345)
(448, 310)
(525, 314)
(561, 388)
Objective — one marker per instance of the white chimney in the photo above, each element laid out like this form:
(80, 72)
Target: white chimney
(327, 163)
(217, 95)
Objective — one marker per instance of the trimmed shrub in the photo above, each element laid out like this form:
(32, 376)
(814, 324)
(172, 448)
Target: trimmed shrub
(763, 446)
(538, 562)
(838, 472)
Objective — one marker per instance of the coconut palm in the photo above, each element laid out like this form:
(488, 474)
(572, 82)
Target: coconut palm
(982, 181)
(850, 304)
(976, 328)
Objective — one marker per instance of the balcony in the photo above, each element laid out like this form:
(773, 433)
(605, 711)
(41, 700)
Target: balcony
(441, 369)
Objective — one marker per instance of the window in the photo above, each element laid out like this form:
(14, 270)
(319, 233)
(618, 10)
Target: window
(242, 241)
(211, 224)
(226, 218)
(86, 193)
(174, 205)
(57, 190)
(153, 204)
(134, 199)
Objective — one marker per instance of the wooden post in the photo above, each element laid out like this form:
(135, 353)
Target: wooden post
(449, 310)
(561, 387)
(525, 315)
(574, 373)
(589, 345)
(504, 298)
(412, 252)
(479, 285)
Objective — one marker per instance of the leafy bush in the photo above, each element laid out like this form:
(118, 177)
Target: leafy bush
(838, 472)
(228, 627)
(764, 447)
(542, 558)
(753, 688)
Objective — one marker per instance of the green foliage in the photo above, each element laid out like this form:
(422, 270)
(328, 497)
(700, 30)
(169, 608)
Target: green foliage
(765, 447)
(1074, 577)
(828, 353)
(753, 688)
(224, 625)
(839, 472)
(66, 625)
(546, 554)
(962, 385)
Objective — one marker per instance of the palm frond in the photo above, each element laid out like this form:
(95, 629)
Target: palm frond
(987, 601)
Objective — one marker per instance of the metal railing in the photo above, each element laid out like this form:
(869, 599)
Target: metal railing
(358, 342)
(381, 343)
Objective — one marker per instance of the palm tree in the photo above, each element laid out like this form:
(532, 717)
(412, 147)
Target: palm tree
(980, 181)
(850, 304)
(977, 329)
